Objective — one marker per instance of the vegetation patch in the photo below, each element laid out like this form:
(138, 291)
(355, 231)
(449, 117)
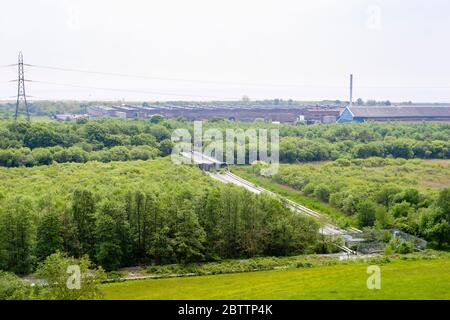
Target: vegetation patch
(142, 212)
(370, 193)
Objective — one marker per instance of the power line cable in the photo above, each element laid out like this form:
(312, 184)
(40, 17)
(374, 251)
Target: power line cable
(179, 79)
(226, 82)
(125, 90)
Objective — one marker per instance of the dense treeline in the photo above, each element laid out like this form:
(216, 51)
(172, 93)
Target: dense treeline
(380, 193)
(105, 140)
(305, 143)
(140, 212)
(41, 143)
(398, 140)
(305, 150)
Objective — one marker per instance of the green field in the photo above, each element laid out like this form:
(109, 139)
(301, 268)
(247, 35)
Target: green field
(400, 279)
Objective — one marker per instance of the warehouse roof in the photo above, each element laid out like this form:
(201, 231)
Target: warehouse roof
(396, 111)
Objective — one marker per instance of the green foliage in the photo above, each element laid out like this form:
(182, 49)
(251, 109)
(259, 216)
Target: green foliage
(83, 214)
(367, 213)
(401, 209)
(56, 272)
(13, 288)
(379, 193)
(109, 252)
(98, 138)
(49, 239)
(105, 140)
(113, 236)
(129, 213)
(437, 225)
(16, 236)
(322, 192)
(400, 246)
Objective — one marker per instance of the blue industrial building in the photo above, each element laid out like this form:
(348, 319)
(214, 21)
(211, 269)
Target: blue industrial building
(395, 113)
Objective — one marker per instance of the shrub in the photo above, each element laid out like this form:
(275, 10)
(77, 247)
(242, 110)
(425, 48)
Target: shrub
(13, 288)
(309, 188)
(322, 192)
(367, 213)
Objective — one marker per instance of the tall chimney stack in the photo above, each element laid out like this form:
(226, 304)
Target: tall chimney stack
(351, 90)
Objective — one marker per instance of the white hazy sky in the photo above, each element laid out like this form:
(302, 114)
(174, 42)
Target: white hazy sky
(396, 49)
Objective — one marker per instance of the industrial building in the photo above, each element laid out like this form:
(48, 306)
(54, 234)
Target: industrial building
(320, 114)
(282, 113)
(395, 113)
(101, 111)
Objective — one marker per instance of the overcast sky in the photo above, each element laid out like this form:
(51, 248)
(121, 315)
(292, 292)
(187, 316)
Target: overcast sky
(396, 49)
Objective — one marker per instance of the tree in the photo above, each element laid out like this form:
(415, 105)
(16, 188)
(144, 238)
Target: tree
(386, 195)
(162, 248)
(69, 234)
(322, 192)
(366, 150)
(253, 233)
(230, 222)
(113, 236)
(165, 147)
(49, 239)
(409, 195)
(439, 231)
(367, 213)
(399, 148)
(59, 270)
(143, 153)
(156, 119)
(443, 203)
(437, 226)
(119, 154)
(16, 234)
(189, 236)
(108, 253)
(42, 156)
(41, 136)
(78, 155)
(159, 132)
(83, 213)
(209, 209)
(144, 139)
(360, 102)
(401, 209)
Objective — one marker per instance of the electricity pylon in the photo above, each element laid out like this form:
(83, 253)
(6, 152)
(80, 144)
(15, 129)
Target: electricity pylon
(21, 88)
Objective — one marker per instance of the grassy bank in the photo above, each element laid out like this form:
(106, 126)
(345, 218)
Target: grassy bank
(407, 278)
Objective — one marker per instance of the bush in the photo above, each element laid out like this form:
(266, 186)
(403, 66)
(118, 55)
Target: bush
(367, 213)
(322, 192)
(401, 209)
(399, 245)
(55, 270)
(13, 288)
(343, 162)
(309, 188)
